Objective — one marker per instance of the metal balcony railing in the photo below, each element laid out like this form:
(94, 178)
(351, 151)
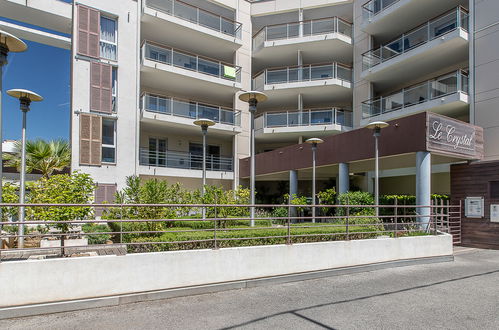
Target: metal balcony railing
(185, 160)
(448, 84)
(185, 60)
(302, 73)
(374, 7)
(197, 15)
(189, 109)
(448, 22)
(301, 29)
(300, 118)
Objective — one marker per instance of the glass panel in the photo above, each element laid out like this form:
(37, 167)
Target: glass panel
(206, 111)
(108, 131)
(108, 155)
(184, 109)
(305, 118)
(293, 30)
(393, 102)
(294, 75)
(415, 38)
(464, 83)
(444, 85)
(416, 95)
(227, 117)
(307, 28)
(209, 67)
(158, 54)
(277, 119)
(277, 32)
(322, 72)
(344, 28)
(344, 73)
(321, 117)
(228, 27)
(277, 76)
(108, 51)
(163, 5)
(186, 12)
(294, 119)
(209, 20)
(443, 25)
(184, 61)
(322, 26)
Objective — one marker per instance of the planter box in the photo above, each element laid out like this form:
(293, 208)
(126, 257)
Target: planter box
(46, 243)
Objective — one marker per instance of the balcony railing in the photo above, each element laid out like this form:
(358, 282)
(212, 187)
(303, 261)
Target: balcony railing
(302, 73)
(189, 109)
(374, 7)
(308, 118)
(185, 160)
(436, 88)
(301, 29)
(188, 61)
(448, 22)
(197, 15)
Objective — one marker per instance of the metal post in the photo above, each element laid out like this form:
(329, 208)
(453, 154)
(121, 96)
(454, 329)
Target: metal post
(348, 220)
(252, 168)
(23, 183)
(396, 218)
(2, 61)
(204, 130)
(376, 172)
(314, 149)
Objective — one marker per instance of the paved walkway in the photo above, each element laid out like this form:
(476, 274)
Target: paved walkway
(463, 294)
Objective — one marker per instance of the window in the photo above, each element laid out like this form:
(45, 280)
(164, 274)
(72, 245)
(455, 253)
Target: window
(108, 140)
(212, 156)
(114, 88)
(157, 152)
(108, 38)
(494, 189)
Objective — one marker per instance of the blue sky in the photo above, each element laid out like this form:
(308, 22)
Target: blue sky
(44, 70)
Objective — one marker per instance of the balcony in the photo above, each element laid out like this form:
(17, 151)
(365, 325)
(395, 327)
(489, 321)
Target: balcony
(174, 112)
(321, 82)
(329, 37)
(447, 95)
(437, 44)
(184, 160)
(381, 16)
(190, 27)
(279, 126)
(181, 72)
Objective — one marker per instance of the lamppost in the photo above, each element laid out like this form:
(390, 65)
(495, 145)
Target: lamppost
(204, 123)
(8, 43)
(376, 126)
(253, 98)
(314, 142)
(25, 98)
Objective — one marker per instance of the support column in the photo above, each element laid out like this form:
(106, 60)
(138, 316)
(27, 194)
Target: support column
(299, 60)
(423, 187)
(300, 18)
(343, 178)
(293, 188)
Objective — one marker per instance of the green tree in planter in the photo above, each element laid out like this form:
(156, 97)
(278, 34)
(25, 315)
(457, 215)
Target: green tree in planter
(77, 188)
(327, 197)
(10, 194)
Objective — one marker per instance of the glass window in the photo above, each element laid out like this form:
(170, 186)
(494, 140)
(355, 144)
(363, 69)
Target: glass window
(108, 141)
(108, 38)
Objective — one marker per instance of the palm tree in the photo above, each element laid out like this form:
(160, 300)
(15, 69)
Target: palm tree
(41, 155)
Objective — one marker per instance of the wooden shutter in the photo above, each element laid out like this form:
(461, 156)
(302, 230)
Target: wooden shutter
(101, 87)
(88, 31)
(104, 192)
(90, 139)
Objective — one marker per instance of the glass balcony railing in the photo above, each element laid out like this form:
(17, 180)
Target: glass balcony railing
(451, 21)
(189, 109)
(308, 118)
(188, 61)
(185, 160)
(302, 73)
(301, 29)
(198, 16)
(374, 7)
(441, 86)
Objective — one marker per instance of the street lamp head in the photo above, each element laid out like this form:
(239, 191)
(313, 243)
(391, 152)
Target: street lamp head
(204, 123)
(10, 43)
(314, 142)
(253, 98)
(377, 126)
(25, 97)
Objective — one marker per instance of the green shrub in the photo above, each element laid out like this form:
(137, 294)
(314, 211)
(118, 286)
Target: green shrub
(356, 198)
(280, 212)
(95, 228)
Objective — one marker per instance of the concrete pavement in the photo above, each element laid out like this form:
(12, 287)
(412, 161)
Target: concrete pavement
(463, 294)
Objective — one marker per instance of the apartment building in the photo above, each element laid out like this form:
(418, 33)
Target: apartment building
(144, 70)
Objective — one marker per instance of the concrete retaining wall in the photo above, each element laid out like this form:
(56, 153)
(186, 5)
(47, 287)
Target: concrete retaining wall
(40, 281)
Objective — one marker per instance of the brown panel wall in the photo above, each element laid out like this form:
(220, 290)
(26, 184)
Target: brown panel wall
(473, 181)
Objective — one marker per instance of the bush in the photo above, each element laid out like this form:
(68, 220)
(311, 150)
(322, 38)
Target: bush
(356, 198)
(98, 238)
(280, 212)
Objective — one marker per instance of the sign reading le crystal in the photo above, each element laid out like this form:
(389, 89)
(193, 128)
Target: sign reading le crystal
(450, 136)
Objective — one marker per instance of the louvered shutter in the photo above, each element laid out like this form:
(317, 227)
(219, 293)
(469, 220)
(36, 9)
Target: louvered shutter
(88, 31)
(90, 139)
(104, 192)
(101, 87)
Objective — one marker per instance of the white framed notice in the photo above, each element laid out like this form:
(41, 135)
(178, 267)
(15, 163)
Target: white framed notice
(494, 212)
(473, 207)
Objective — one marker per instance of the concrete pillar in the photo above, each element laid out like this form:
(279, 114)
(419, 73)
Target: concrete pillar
(293, 188)
(300, 18)
(300, 64)
(423, 187)
(343, 178)
(300, 101)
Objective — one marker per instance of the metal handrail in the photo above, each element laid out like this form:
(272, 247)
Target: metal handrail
(186, 160)
(431, 89)
(306, 118)
(166, 55)
(189, 109)
(415, 38)
(224, 25)
(374, 7)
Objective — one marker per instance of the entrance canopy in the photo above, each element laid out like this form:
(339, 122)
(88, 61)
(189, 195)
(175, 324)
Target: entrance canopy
(449, 140)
